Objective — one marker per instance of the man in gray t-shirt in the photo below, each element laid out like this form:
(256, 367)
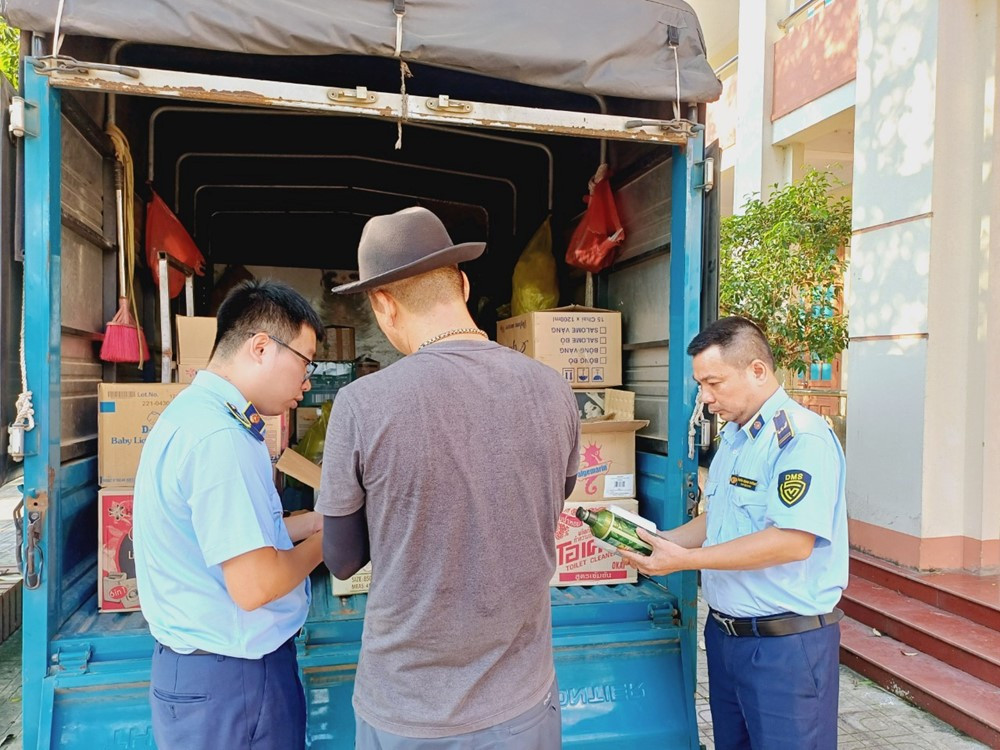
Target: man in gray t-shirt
(453, 465)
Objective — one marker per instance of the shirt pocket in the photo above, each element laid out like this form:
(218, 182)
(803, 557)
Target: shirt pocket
(749, 509)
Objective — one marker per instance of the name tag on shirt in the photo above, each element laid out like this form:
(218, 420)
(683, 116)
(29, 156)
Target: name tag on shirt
(742, 482)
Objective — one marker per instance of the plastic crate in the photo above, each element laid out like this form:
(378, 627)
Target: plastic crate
(329, 378)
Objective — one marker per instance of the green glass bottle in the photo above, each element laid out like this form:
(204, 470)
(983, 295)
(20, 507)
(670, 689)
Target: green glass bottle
(614, 530)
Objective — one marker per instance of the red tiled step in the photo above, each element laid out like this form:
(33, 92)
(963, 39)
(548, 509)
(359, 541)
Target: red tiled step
(974, 597)
(973, 648)
(965, 702)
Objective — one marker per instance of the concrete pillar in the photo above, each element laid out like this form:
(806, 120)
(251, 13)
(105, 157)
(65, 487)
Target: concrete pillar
(921, 451)
(758, 164)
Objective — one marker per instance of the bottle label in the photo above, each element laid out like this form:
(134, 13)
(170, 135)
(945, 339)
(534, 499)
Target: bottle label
(622, 534)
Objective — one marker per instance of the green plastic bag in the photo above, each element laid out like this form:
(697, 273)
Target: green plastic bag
(312, 443)
(535, 284)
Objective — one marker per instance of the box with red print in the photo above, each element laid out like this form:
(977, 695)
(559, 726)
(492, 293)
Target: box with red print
(581, 560)
(607, 460)
(116, 590)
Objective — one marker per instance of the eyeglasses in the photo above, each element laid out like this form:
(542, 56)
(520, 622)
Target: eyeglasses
(310, 365)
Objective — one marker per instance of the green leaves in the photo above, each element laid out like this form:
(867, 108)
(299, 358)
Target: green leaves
(781, 267)
(9, 50)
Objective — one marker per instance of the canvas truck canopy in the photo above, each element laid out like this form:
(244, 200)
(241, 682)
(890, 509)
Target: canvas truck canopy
(640, 49)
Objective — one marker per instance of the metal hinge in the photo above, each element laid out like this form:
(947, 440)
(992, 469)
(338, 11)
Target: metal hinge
(22, 118)
(708, 175)
(73, 658)
(664, 614)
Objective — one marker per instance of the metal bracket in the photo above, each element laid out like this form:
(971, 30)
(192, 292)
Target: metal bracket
(359, 97)
(48, 64)
(445, 106)
(74, 658)
(685, 128)
(37, 501)
(23, 118)
(691, 492)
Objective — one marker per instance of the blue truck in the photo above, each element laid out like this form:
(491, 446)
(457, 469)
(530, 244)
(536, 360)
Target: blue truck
(273, 133)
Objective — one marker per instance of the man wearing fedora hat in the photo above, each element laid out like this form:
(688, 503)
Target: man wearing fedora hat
(454, 497)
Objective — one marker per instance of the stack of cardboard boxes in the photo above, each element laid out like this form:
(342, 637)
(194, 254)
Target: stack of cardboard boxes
(126, 412)
(585, 346)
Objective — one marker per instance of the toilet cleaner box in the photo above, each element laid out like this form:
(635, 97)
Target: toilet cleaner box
(581, 558)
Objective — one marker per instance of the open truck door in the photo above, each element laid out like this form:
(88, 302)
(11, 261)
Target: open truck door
(11, 282)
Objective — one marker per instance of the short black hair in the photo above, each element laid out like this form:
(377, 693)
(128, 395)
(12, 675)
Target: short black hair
(262, 306)
(740, 340)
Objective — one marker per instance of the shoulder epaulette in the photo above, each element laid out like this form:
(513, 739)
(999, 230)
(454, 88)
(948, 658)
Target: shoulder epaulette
(783, 428)
(249, 418)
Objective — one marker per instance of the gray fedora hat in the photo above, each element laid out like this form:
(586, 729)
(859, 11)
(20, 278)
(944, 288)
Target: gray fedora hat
(404, 244)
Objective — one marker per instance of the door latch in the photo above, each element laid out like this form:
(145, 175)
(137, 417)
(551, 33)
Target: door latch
(358, 97)
(28, 529)
(445, 105)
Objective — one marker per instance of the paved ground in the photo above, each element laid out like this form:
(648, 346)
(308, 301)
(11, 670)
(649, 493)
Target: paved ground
(869, 717)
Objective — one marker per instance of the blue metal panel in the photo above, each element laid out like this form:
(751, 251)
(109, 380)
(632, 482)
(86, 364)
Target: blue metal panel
(681, 471)
(42, 156)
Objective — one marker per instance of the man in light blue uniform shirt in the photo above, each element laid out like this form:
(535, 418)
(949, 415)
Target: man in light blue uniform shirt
(222, 585)
(772, 548)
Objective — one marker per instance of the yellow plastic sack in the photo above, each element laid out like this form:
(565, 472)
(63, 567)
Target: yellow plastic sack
(535, 284)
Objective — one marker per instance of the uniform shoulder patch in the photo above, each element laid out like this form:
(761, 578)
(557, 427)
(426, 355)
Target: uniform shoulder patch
(783, 429)
(249, 418)
(793, 486)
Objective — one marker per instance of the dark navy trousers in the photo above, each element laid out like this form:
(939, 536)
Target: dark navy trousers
(209, 702)
(774, 693)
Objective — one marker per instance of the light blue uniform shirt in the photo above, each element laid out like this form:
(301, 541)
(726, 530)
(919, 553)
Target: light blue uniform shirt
(204, 494)
(754, 483)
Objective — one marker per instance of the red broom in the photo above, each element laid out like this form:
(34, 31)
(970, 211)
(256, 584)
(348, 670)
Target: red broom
(124, 340)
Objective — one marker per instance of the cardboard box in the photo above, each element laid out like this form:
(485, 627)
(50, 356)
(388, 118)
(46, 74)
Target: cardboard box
(581, 558)
(583, 343)
(116, 589)
(359, 583)
(338, 344)
(187, 370)
(301, 468)
(305, 417)
(608, 403)
(126, 412)
(607, 460)
(195, 338)
(276, 431)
